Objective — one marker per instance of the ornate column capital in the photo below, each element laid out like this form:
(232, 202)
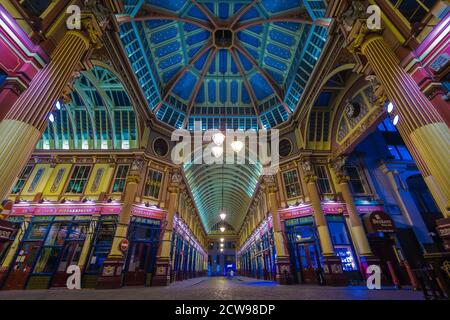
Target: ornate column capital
(360, 34)
(95, 18)
(269, 183)
(308, 171)
(338, 167)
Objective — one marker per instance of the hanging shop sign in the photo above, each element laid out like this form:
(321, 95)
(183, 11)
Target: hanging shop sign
(379, 221)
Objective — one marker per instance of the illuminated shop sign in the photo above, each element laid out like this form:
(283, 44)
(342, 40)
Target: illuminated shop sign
(147, 213)
(379, 221)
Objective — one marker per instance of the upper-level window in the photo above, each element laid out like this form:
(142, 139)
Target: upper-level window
(322, 179)
(78, 180)
(22, 180)
(121, 177)
(399, 152)
(387, 125)
(153, 184)
(413, 10)
(356, 182)
(291, 184)
(36, 7)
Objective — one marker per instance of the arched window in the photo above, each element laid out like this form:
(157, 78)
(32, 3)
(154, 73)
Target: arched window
(99, 116)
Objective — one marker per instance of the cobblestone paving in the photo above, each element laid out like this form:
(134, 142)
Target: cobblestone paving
(238, 288)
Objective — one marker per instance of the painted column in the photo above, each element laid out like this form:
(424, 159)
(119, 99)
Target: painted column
(163, 265)
(21, 59)
(359, 234)
(332, 265)
(419, 119)
(27, 119)
(282, 262)
(407, 205)
(113, 266)
(319, 217)
(13, 249)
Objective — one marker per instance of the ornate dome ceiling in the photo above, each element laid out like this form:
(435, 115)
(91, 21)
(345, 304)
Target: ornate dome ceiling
(230, 64)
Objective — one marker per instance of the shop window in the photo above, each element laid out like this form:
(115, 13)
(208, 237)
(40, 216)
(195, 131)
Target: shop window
(78, 180)
(54, 236)
(121, 177)
(322, 179)
(413, 10)
(48, 260)
(356, 182)
(101, 247)
(18, 187)
(38, 231)
(341, 243)
(292, 184)
(153, 184)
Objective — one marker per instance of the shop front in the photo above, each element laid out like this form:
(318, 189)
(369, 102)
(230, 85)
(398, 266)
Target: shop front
(185, 253)
(8, 231)
(304, 245)
(50, 244)
(382, 236)
(144, 236)
(257, 256)
(56, 237)
(102, 239)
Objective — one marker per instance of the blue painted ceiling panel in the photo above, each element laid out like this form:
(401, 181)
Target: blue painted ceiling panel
(286, 51)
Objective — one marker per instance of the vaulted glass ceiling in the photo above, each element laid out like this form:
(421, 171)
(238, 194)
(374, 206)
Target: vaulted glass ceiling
(227, 188)
(99, 116)
(230, 64)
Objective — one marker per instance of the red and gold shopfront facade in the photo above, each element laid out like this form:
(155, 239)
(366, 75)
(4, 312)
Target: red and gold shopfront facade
(58, 236)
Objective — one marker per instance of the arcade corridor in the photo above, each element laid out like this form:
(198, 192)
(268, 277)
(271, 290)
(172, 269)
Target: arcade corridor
(220, 288)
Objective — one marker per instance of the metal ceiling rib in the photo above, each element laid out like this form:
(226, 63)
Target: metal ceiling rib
(230, 186)
(99, 116)
(256, 83)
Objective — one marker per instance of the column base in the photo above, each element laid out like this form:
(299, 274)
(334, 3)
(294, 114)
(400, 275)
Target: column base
(111, 277)
(3, 276)
(284, 275)
(366, 261)
(162, 274)
(333, 274)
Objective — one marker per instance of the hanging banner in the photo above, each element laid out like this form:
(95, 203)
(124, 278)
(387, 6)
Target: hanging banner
(379, 221)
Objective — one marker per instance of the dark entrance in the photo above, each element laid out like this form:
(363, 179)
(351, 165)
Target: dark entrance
(144, 235)
(304, 250)
(309, 262)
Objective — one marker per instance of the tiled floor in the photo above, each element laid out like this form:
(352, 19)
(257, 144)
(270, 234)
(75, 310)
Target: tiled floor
(238, 288)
